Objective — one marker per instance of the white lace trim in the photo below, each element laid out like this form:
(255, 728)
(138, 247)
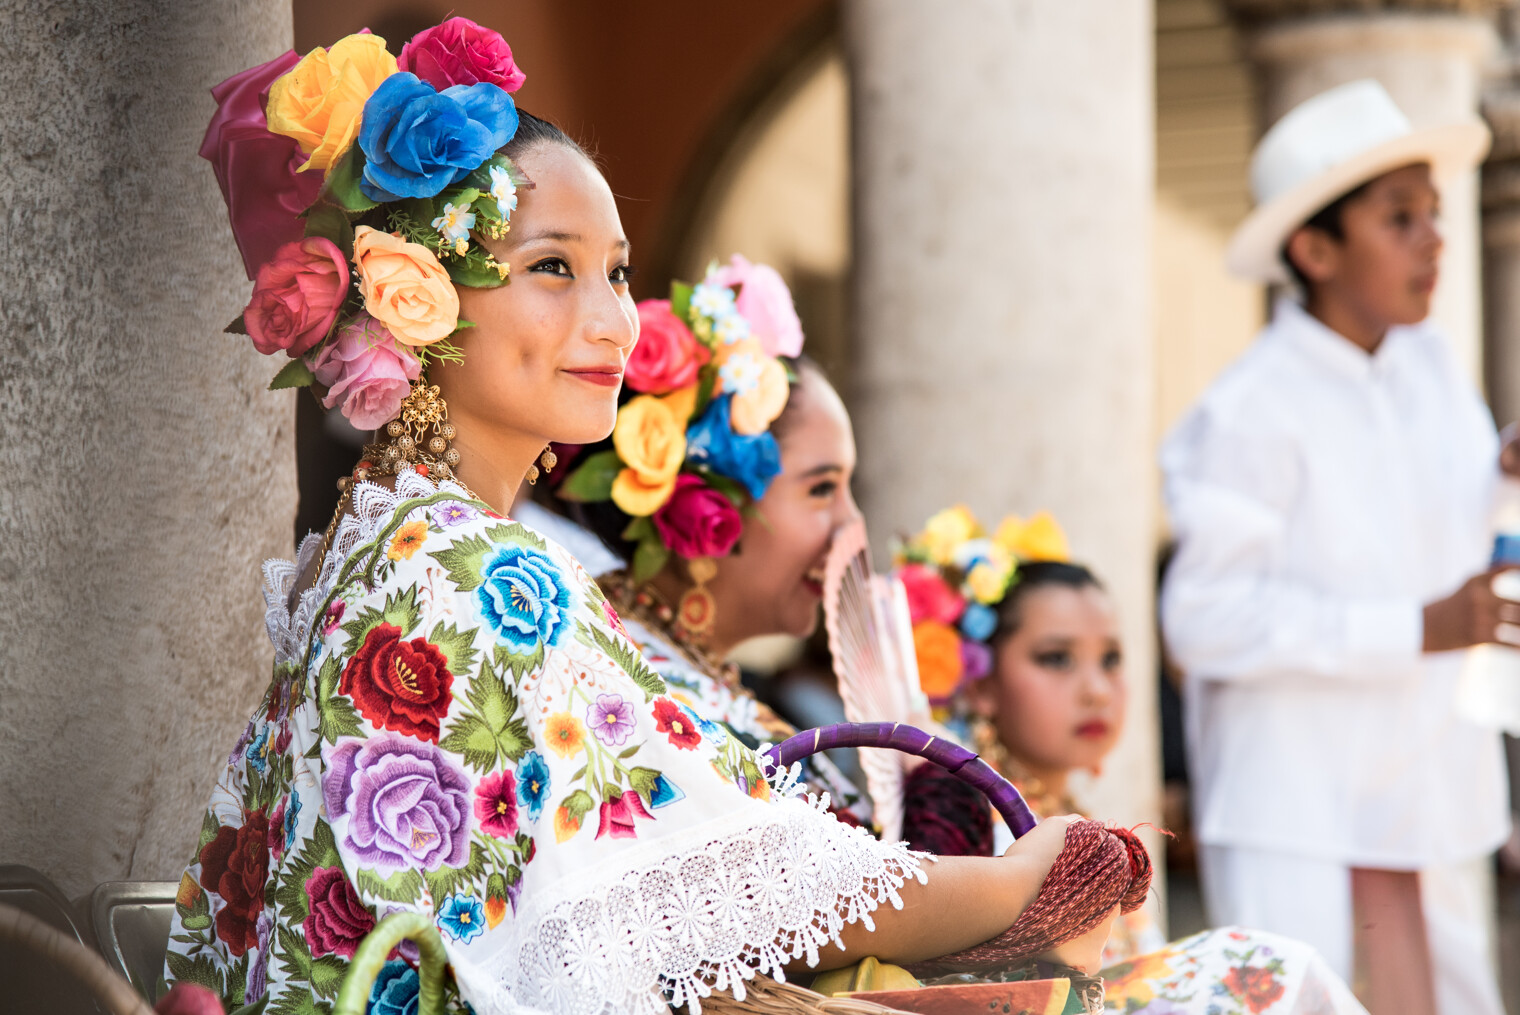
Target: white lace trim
(289, 613)
(672, 926)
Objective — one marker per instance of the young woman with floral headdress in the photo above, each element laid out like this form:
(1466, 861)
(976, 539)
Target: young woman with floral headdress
(1019, 650)
(457, 725)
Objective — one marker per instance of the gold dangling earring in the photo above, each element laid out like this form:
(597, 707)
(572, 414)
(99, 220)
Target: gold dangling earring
(694, 613)
(548, 460)
(419, 438)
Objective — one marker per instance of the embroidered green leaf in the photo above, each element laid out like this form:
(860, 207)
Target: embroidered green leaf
(629, 752)
(200, 970)
(320, 850)
(295, 953)
(496, 705)
(256, 1008)
(327, 975)
(473, 740)
(496, 888)
(592, 479)
(237, 980)
(577, 804)
(512, 532)
(445, 881)
(299, 1003)
(337, 717)
(402, 610)
(295, 374)
(631, 662)
(402, 886)
(209, 825)
(464, 560)
(519, 665)
(643, 781)
(457, 646)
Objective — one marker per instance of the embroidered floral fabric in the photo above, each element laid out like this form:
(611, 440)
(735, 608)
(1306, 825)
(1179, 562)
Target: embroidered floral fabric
(458, 725)
(1228, 972)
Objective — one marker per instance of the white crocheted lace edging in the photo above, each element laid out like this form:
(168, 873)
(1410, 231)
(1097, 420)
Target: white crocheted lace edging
(671, 925)
(289, 614)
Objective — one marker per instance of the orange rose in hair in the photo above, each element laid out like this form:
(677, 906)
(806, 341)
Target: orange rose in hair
(651, 441)
(405, 288)
(938, 648)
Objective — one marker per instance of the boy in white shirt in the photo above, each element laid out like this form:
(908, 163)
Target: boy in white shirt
(1330, 496)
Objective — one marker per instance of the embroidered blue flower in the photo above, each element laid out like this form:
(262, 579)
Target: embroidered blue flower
(395, 990)
(525, 599)
(462, 918)
(752, 461)
(664, 792)
(978, 622)
(532, 784)
(417, 140)
(713, 731)
(292, 809)
(258, 751)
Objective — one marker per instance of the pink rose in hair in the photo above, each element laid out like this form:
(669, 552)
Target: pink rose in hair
(667, 355)
(460, 52)
(368, 371)
(766, 303)
(929, 598)
(297, 296)
(698, 521)
(256, 169)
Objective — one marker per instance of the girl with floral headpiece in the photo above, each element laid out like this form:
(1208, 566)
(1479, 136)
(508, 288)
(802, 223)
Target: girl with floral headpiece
(457, 724)
(1018, 648)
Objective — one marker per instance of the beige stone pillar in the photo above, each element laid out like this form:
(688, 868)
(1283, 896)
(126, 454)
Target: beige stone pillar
(144, 471)
(1004, 171)
(1501, 254)
(1431, 61)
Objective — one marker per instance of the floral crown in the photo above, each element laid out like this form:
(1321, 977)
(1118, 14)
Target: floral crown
(955, 575)
(693, 447)
(353, 181)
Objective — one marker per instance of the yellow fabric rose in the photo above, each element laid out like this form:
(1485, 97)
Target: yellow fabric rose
(650, 439)
(988, 581)
(682, 402)
(1040, 538)
(938, 649)
(947, 530)
(320, 100)
(405, 288)
(638, 498)
(752, 412)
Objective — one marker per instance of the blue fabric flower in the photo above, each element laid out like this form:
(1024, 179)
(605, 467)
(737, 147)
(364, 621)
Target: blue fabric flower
(978, 622)
(395, 990)
(525, 599)
(752, 461)
(462, 917)
(532, 784)
(664, 792)
(417, 140)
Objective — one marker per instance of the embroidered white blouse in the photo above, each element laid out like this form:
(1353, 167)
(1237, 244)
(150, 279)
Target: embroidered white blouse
(1320, 496)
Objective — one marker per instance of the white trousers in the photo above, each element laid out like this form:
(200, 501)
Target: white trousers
(1310, 899)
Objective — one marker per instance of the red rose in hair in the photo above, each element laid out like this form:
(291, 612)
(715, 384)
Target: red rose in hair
(667, 355)
(399, 685)
(1255, 985)
(297, 297)
(698, 521)
(460, 52)
(235, 865)
(338, 921)
(677, 726)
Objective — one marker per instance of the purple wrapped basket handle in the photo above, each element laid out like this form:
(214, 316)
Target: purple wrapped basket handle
(952, 757)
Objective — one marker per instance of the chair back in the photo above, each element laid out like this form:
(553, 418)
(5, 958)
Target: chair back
(131, 921)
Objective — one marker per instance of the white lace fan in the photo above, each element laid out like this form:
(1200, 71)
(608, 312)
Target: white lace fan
(871, 639)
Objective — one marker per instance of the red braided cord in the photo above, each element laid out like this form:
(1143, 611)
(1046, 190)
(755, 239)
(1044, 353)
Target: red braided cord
(1097, 869)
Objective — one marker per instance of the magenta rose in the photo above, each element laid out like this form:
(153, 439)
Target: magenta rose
(256, 169)
(929, 598)
(337, 920)
(297, 296)
(667, 355)
(460, 52)
(766, 303)
(404, 802)
(698, 521)
(367, 371)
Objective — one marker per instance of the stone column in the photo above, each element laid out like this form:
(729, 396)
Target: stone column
(1430, 60)
(1004, 166)
(1501, 254)
(144, 470)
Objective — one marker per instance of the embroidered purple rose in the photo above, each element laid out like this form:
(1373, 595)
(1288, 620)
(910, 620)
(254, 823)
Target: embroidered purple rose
(611, 719)
(258, 969)
(407, 805)
(451, 513)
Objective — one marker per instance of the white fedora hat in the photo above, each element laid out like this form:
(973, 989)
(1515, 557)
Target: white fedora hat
(1327, 146)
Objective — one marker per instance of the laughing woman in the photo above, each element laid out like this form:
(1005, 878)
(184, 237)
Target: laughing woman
(457, 725)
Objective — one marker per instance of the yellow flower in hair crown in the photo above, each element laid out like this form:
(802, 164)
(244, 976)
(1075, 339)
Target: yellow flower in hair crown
(955, 575)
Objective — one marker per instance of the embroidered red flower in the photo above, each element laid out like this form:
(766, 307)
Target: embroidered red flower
(338, 920)
(677, 726)
(1257, 986)
(496, 804)
(235, 865)
(399, 685)
(617, 816)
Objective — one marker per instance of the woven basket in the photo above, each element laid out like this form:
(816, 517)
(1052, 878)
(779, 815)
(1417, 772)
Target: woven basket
(73, 959)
